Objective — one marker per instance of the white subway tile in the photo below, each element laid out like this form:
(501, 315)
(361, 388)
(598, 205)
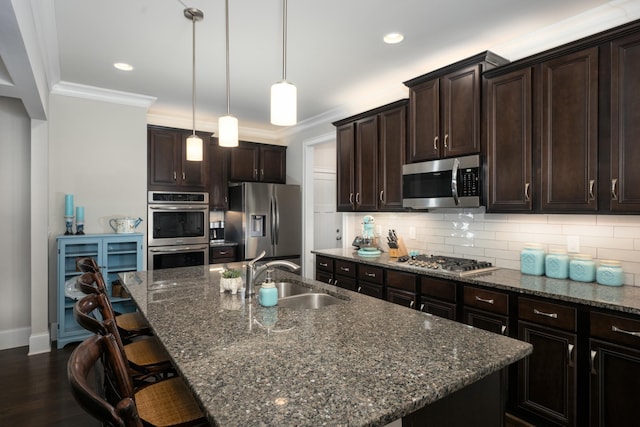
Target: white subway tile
(492, 217)
(608, 243)
(528, 219)
(469, 252)
(491, 244)
(626, 232)
(503, 254)
(572, 219)
(619, 220)
(505, 263)
(502, 226)
(580, 230)
(619, 255)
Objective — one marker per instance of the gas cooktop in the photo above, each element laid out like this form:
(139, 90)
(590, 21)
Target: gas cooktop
(455, 266)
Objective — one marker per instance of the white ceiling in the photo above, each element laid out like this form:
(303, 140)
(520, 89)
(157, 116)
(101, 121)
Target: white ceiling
(336, 56)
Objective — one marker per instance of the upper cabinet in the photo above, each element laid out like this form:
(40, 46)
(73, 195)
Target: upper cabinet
(258, 162)
(444, 109)
(168, 167)
(218, 176)
(370, 154)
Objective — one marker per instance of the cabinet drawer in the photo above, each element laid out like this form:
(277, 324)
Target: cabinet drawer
(406, 281)
(616, 329)
(548, 314)
(370, 274)
(345, 268)
(494, 302)
(223, 252)
(323, 263)
(440, 289)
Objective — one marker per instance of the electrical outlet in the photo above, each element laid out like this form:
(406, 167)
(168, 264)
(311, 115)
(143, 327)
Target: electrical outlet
(573, 244)
(412, 233)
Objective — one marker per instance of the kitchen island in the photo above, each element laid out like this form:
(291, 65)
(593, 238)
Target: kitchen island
(361, 362)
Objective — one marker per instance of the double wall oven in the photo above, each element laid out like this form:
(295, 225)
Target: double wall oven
(178, 229)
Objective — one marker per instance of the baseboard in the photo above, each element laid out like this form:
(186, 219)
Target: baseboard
(39, 343)
(13, 338)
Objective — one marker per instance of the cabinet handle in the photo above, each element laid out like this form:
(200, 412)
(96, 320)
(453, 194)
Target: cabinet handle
(622, 331)
(381, 195)
(357, 198)
(323, 264)
(359, 289)
(175, 175)
(184, 176)
(527, 196)
(347, 269)
(591, 184)
(223, 252)
(542, 313)
(503, 330)
(435, 144)
(614, 184)
(255, 173)
(351, 198)
(226, 200)
(488, 301)
(330, 281)
(421, 307)
(446, 140)
(262, 172)
(594, 354)
(570, 354)
(412, 304)
(370, 274)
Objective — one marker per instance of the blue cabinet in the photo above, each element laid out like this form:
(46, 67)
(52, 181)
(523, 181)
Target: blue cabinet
(114, 253)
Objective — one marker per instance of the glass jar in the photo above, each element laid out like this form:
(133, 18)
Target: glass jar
(610, 273)
(582, 268)
(268, 294)
(556, 264)
(532, 259)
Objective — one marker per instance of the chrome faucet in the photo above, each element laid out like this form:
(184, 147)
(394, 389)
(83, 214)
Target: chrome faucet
(253, 270)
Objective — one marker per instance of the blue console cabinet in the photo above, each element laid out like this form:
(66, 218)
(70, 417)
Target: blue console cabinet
(114, 253)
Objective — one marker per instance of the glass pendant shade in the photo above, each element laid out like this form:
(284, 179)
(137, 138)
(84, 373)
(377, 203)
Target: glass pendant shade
(194, 148)
(227, 131)
(284, 104)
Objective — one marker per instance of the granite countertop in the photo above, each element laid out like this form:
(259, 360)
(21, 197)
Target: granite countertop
(362, 362)
(624, 299)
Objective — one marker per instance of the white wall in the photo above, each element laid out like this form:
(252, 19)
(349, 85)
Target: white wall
(499, 238)
(15, 285)
(98, 153)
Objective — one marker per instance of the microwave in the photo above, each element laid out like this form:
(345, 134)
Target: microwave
(444, 183)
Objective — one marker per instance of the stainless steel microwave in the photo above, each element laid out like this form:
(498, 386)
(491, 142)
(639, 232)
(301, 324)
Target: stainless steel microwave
(445, 183)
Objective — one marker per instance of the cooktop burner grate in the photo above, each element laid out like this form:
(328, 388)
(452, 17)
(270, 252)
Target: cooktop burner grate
(459, 266)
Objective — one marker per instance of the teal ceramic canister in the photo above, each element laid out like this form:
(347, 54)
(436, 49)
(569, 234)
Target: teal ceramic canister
(610, 273)
(268, 294)
(532, 259)
(556, 264)
(582, 268)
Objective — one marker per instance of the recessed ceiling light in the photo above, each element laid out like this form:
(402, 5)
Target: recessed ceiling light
(123, 66)
(393, 38)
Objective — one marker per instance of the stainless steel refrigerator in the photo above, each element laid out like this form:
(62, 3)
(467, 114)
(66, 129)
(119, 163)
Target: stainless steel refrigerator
(265, 217)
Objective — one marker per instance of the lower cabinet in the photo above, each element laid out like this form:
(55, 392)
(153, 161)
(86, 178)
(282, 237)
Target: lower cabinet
(324, 269)
(221, 254)
(371, 281)
(614, 349)
(114, 253)
(345, 275)
(485, 309)
(547, 378)
(401, 288)
(438, 297)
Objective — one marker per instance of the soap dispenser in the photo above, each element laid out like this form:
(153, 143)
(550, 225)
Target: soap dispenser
(268, 293)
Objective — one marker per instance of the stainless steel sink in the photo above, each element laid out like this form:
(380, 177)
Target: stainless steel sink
(308, 301)
(287, 289)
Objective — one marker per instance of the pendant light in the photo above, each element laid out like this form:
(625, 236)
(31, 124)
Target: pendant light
(194, 142)
(227, 125)
(284, 93)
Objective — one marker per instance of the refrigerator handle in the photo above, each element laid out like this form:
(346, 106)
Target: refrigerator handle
(277, 220)
(272, 221)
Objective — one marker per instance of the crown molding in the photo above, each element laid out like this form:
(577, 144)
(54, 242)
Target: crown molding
(77, 90)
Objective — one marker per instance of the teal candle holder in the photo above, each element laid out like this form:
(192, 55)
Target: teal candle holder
(68, 221)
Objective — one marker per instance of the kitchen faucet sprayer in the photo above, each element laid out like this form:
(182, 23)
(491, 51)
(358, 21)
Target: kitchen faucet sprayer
(253, 271)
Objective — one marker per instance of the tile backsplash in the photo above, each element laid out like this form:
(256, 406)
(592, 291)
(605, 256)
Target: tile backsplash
(499, 238)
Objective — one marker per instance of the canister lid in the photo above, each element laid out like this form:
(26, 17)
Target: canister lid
(610, 263)
(533, 246)
(585, 257)
(557, 251)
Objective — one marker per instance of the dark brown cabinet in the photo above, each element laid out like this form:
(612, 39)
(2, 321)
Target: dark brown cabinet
(547, 378)
(569, 132)
(444, 109)
(438, 297)
(371, 280)
(615, 369)
(344, 274)
(220, 254)
(622, 184)
(324, 269)
(258, 162)
(401, 288)
(218, 176)
(486, 309)
(168, 168)
(370, 154)
(509, 142)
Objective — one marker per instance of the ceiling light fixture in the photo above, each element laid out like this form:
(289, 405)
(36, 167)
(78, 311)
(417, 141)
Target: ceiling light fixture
(194, 142)
(123, 66)
(393, 38)
(284, 94)
(227, 125)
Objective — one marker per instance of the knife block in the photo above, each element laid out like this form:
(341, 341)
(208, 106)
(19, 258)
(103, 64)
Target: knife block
(401, 251)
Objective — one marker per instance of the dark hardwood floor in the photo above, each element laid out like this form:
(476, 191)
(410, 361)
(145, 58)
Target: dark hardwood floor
(34, 390)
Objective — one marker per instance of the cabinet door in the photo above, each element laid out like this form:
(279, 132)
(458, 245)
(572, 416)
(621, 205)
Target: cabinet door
(488, 321)
(461, 112)
(400, 297)
(244, 162)
(345, 167)
(547, 378)
(349, 283)
(323, 276)
(273, 163)
(366, 164)
(371, 289)
(424, 122)
(509, 136)
(194, 174)
(615, 370)
(391, 145)
(438, 308)
(625, 125)
(164, 158)
(218, 176)
(569, 141)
